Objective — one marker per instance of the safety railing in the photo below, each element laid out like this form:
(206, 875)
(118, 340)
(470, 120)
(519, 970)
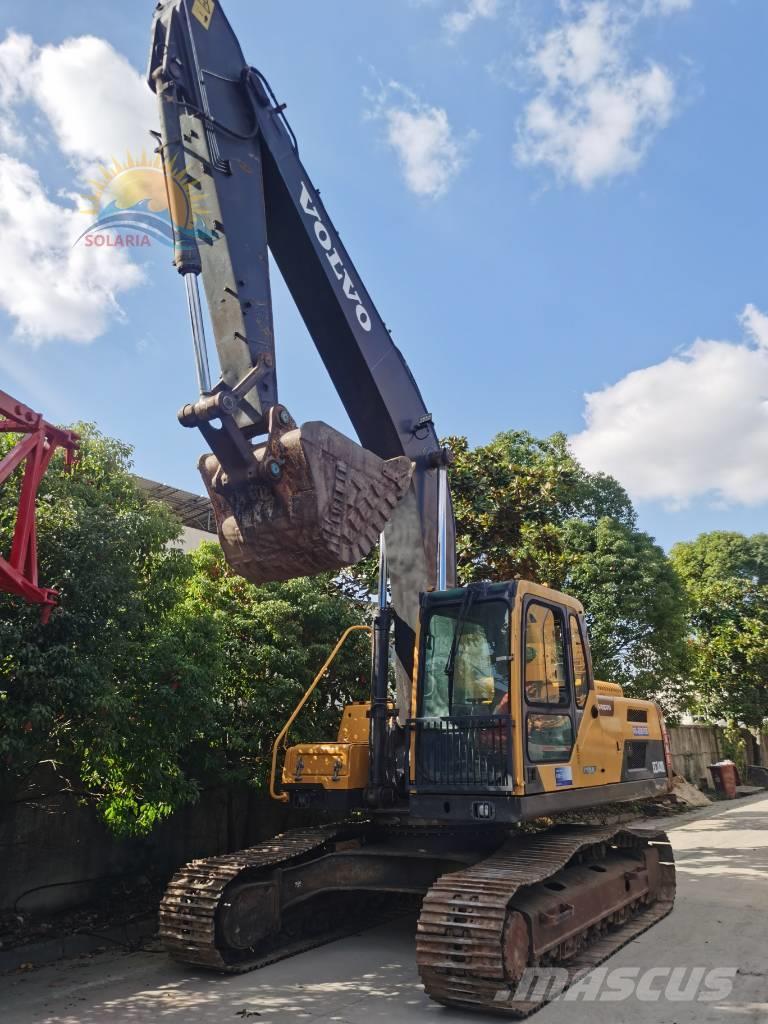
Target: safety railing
(282, 736)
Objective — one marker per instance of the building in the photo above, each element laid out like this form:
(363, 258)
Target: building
(194, 511)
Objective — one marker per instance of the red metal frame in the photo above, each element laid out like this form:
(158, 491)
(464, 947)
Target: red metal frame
(18, 573)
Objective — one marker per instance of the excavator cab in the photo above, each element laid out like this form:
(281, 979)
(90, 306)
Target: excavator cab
(508, 721)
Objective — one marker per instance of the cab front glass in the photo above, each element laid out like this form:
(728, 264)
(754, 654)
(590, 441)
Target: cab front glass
(466, 661)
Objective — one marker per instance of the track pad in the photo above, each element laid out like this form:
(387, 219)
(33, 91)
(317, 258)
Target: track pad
(325, 512)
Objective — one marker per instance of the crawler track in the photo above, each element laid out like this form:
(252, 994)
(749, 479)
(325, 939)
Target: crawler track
(465, 954)
(194, 894)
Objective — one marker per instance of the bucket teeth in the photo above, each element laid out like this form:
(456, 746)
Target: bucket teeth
(326, 512)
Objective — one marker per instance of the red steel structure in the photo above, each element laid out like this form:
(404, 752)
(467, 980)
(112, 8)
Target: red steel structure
(34, 449)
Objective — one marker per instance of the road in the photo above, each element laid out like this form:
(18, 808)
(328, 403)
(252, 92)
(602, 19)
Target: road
(720, 921)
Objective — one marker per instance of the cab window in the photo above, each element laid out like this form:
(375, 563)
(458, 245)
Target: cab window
(466, 661)
(580, 676)
(550, 737)
(546, 680)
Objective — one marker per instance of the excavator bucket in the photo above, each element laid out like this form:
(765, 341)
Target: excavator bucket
(326, 510)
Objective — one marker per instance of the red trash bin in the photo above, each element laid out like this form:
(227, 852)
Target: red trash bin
(724, 777)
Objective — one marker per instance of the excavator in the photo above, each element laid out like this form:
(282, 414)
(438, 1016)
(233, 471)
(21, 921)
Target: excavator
(485, 725)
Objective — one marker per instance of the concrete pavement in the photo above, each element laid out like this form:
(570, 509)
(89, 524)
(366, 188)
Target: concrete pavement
(720, 921)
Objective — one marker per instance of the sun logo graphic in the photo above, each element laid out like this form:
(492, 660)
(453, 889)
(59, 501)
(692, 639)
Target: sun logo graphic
(130, 203)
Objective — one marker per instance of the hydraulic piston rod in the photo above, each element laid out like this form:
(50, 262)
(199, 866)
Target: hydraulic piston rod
(198, 333)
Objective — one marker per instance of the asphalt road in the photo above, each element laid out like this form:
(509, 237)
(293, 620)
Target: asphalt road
(720, 921)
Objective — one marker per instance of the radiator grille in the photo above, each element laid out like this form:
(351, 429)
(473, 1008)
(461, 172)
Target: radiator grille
(637, 715)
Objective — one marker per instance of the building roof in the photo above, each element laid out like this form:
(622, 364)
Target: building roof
(192, 509)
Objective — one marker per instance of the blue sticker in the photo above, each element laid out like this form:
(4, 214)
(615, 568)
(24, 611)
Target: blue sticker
(563, 776)
(640, 730)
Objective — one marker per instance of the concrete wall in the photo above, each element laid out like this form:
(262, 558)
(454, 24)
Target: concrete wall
(694, 747)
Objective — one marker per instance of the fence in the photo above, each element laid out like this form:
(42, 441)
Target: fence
(56, 854)
(694, 747)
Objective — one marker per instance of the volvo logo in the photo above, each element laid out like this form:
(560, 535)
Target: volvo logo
(323, 236)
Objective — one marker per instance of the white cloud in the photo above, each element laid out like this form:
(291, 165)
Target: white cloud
(756, 324)
(15, 59)
(98, 105)
(428, 150)
(693, 425)
(458, 22)
(98, 108)
(594, 115)
(49, 287)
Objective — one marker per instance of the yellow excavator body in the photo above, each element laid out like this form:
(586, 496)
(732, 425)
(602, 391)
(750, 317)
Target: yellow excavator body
(573, 738)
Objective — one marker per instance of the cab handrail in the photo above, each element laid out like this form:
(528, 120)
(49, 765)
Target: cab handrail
(282, 735)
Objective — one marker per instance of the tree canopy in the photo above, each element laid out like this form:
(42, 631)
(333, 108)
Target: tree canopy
(512, 498)
(725, 576)
(269, 643)
(163, 672)
(525, 507)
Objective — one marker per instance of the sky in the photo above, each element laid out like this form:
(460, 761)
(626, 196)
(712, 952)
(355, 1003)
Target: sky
(559, 208)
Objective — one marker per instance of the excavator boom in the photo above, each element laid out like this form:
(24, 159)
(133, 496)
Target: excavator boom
(304, 499)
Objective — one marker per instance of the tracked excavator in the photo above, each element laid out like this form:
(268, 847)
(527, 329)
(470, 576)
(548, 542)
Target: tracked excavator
(495, 719)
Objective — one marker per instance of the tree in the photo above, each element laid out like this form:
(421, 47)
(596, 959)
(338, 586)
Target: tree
(634, 607)
(92, 695)
(527, 508)
(725, 576)
(512, 498)
(159, 673)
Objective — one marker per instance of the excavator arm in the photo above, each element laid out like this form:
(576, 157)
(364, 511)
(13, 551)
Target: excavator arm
(306, 499)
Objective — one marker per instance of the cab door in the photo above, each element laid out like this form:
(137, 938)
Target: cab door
(598, 730)
(549, 711)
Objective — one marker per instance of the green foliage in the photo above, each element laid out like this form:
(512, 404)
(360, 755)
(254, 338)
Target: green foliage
(512, 498)
(725, 576)
(735, 747)
(527, 508)
(159, 672)
(634, 606)
(88, 693)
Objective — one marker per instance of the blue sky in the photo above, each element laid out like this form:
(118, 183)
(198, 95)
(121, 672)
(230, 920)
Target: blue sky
(546, 201)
